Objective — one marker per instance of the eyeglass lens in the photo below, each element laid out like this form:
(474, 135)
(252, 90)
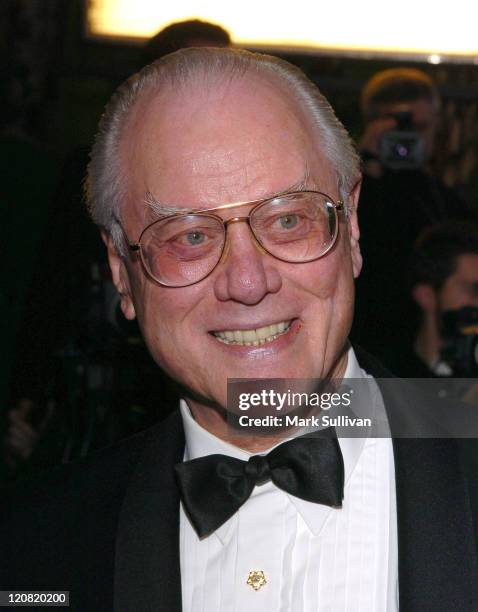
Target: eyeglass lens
(182, 250)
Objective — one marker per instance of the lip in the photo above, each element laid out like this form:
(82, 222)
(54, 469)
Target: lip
(270, 348)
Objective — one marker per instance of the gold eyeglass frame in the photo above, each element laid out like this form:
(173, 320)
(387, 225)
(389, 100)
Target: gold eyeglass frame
(338, 206)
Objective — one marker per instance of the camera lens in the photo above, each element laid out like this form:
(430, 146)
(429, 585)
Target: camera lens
(401, 151)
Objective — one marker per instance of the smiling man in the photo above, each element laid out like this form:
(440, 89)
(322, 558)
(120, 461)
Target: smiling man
(209, 140)
(226, 191)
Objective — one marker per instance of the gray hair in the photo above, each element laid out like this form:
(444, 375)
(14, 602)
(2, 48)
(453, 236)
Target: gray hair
(105, 184)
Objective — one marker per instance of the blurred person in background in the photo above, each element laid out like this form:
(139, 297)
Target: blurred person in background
(402, 100)
(400, 198)
(183, 34)
(444, 272)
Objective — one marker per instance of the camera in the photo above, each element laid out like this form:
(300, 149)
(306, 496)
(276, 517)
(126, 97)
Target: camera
(402, 148)
(460, 334)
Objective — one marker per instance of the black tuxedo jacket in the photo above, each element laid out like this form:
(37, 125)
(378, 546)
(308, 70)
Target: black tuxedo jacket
(107, 529)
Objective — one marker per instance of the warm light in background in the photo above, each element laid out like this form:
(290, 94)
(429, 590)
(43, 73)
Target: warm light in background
(421, 28)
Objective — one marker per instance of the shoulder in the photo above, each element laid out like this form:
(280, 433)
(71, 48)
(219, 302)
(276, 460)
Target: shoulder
(55, 527)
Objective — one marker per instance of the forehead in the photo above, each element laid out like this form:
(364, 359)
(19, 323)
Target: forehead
(421, 109)
(222, 143)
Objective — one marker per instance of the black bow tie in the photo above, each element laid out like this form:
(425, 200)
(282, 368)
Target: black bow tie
(214, 487)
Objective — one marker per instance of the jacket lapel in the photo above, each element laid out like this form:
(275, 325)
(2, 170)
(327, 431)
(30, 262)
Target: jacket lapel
(147, 569)
(436, 541)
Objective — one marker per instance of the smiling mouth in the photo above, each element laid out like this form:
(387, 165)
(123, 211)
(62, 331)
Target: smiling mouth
(253, 337)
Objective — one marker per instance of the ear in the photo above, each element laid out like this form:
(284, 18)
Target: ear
(354, 230)
(425, 296)
(119, 274)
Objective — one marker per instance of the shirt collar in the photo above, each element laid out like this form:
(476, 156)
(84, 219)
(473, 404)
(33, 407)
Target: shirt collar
(200, 443)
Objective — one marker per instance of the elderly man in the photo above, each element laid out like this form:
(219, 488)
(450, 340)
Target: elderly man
(226, 190)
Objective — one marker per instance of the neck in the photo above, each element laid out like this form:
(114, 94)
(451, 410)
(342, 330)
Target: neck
(214, 419)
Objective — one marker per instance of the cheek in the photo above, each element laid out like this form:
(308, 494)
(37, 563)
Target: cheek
(334, 291)
(454, 301)
(167, 325)
(452, 296)
(331, 278)
(155, 313)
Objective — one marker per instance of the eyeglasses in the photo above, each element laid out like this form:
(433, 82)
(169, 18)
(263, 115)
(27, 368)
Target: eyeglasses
(183, 249)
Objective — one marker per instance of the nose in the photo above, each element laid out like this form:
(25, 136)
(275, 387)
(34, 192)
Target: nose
(246, 273)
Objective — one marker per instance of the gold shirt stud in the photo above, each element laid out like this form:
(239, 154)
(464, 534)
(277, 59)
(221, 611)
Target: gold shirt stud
(256, 579)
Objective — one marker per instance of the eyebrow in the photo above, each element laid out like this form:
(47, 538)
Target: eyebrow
(160, 210)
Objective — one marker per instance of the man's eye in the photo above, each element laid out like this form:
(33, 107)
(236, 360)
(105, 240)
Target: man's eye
(288, 221)
(192, 238)
(195, 238)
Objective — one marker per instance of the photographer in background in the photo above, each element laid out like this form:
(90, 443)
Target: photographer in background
(400, 198)
(401, 109)
(445, 288)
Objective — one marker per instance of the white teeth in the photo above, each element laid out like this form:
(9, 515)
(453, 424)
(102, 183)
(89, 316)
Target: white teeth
(253, 337)
(248, 335)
